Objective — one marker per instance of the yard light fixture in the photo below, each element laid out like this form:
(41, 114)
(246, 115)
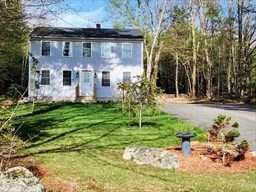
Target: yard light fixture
(77, 74)
(95, 75)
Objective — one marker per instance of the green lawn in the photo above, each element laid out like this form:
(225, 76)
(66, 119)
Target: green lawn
(83, 144)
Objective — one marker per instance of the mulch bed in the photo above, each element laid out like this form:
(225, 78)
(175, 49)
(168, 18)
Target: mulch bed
(200, 161)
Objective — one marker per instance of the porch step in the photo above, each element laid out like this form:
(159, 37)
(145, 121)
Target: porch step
(85, 99)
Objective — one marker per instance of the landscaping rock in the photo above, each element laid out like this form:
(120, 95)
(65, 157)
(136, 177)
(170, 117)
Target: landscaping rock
(19, 179)
(253, 153)
(203, 157)
(152, 156)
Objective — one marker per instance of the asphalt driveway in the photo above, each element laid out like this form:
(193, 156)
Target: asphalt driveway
(202, 115)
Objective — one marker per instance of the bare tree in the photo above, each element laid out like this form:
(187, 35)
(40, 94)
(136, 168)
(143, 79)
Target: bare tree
(152, 18)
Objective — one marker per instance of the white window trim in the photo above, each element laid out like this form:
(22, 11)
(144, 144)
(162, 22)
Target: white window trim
(71, 78)
(123, 51)
(45, 69)
(110, 48)
(71, 47)
(50, 49)
(109, 78)
(82, 48)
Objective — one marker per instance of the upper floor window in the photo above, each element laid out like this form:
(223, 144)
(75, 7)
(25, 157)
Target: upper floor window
(67, 49)
(45, 77)
(126, 77)
(87, 50)
(105, 50)
(105, 78)
(127, 50)
(67, 78)
(46, 48)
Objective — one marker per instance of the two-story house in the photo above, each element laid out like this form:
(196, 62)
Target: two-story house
(82, 63)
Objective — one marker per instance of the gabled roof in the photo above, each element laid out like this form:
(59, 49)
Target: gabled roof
(83, 33)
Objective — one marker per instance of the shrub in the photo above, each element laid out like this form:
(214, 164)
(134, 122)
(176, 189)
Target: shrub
(226, 134)
(15, 91)
(10, 143)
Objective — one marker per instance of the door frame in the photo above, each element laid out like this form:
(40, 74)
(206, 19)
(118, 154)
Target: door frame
(81, 83)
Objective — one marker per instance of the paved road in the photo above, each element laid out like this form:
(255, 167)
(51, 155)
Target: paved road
(202, 115)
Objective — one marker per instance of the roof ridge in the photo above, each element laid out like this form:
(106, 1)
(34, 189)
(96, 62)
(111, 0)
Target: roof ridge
(62, 32)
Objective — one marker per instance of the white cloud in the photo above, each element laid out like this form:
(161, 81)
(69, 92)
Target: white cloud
(80, 19)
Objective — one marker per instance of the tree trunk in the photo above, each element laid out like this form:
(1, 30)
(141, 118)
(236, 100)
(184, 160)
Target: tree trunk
(150, 63)
(156, 63)
(230, 71)
(177, 75)
(194, 51)
(208, 71)
(140, 111)
(240, 6)
(189, 81)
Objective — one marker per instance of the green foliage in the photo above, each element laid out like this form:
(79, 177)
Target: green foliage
(13, 43)
(222, 131)
(138, 95)
(15, 91)
(243, 146)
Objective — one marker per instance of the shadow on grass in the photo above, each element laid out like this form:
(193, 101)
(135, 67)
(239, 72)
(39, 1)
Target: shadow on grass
(43, 109)
(105, 132)
(35, 125)
(82, 146)
(55, 137)
(147, 124)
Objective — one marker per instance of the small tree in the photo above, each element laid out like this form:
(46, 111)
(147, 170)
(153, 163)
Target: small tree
(137, 95)
(226, 134)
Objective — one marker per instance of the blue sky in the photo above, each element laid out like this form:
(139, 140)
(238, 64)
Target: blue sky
(87, 13)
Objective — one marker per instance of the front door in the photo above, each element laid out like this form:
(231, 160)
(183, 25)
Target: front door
(86, 83)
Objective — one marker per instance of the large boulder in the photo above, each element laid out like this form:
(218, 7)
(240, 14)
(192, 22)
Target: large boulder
(152, 156)
(19, 179)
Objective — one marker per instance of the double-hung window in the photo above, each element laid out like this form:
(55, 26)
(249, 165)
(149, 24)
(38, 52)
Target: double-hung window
(46, 48)
(67, 49)
(126, 77)
(105, 50)
(45, 77)
(127, 50)
(67, 78)
(105, 78)
(87, 50)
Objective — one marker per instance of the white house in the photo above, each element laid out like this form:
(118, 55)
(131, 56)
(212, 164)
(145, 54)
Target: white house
(82, 63)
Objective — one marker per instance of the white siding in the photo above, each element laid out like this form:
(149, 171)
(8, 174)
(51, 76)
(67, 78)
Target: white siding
(56, 63)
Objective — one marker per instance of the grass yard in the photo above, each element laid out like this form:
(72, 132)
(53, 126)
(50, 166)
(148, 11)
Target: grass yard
(82, 144)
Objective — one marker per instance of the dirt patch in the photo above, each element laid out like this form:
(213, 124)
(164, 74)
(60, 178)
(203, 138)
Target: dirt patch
(200, 162)
(171, 99)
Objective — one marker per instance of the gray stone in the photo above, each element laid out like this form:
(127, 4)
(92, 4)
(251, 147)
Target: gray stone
(253, 153)
(19, 179)
(152, 156)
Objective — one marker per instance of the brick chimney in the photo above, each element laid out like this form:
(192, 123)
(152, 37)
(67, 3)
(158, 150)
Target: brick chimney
(97, 26)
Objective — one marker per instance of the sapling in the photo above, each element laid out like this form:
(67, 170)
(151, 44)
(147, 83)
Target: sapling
(225, 133)
(10, 143)
(137, 95)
